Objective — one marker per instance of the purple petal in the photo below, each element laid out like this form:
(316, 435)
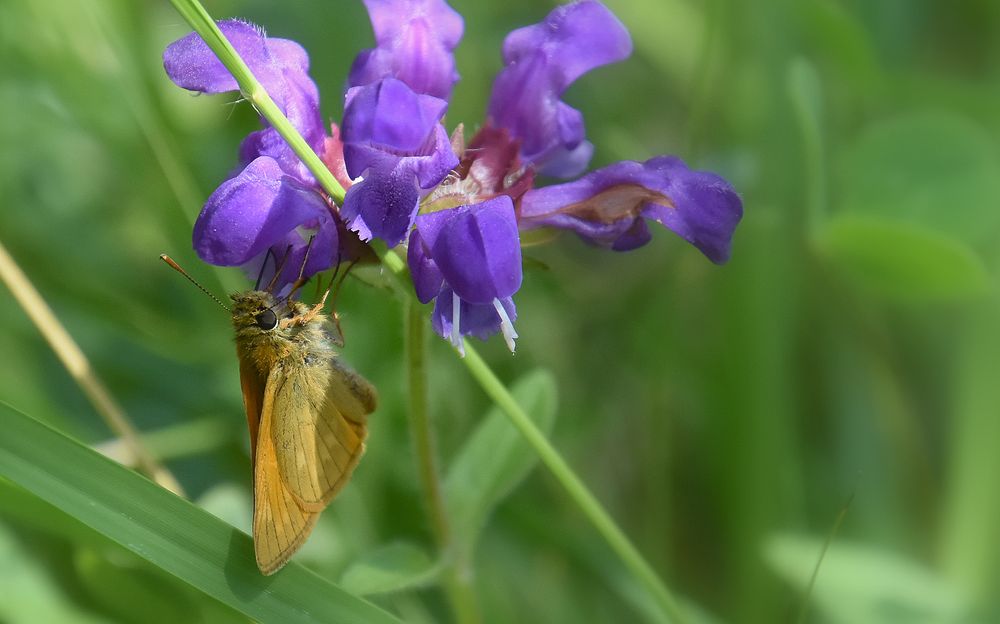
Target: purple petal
(481, 321)
(269, 144)
(541, 61)
(435, 161)
(415, 40)
(604, 206)
(384, 204)
(392, 138)
(390, 117)
(427, 278)
(476, 248)
(253, 211)
(192, 65)
(280, 65)
(634, 237)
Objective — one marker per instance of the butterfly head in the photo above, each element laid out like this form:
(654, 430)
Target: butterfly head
(256, 312)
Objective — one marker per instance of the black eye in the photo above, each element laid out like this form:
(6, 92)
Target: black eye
(266, 320)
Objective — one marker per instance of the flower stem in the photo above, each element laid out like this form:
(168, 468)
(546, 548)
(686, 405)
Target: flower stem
(458, 573)
(586, 501)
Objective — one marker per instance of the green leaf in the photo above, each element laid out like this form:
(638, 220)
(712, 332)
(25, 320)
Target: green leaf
(937, 170)
(165, 530)
(859, 583)
(496, 457)
(393, 567)
(902, 260)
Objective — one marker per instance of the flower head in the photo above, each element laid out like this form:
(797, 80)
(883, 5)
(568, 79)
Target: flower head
(273, 203)
(610, 206)
(414, 44)
(469, 258)
(540, 62)
(394, 140)
(460, 208)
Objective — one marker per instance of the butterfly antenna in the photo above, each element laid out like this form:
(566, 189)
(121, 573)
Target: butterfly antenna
(336, 271)
(340, 283)
(260, 274)
(280, 266)
(300, 281)
(177, 267)
(339, 341)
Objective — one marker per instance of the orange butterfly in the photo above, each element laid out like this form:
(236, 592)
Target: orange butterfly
(307, 415)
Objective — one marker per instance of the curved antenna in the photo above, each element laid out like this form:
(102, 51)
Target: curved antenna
(177, 267)
(299, 281)
(263, 265)
(278, 268)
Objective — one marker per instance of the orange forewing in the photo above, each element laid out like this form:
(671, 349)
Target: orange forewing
(252, 386)
(321, 431)
(280, 525)
(307, 429)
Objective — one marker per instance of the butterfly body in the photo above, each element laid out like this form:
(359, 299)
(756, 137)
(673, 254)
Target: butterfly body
(307, 415)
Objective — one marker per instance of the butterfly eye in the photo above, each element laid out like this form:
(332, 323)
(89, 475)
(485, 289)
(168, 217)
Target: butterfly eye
(266, 320)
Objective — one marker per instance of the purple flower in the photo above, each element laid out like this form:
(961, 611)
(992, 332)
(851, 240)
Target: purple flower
(610, 206)
(273, 202)
(469, 258)
(393, 139)
(392, 135)
(261, 208)
(414, 43)
(460, 208)
(541, 62)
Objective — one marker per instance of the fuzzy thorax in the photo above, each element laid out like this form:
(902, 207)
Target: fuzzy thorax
(287, 341)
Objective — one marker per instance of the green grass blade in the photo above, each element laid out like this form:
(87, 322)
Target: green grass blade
(166, 530)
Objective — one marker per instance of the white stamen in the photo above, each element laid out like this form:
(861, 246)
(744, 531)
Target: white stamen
(506, 327)
(456, 313)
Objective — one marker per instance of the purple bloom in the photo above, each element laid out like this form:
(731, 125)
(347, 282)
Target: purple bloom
(469, 258)
(274, 202)
(610, 206)
(460, 208)
(393, 139)
(414, 43)
(541, 61)
(392, 135)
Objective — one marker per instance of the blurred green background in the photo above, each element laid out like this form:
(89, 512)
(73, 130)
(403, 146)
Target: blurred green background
(726, 415)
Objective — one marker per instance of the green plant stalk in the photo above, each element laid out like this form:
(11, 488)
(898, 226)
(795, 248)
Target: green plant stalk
(202, 23)
(586, 501)
(458, 582)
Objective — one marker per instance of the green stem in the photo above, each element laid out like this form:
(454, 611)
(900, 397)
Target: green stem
(458, 576)
(586, 501)
(420, 427)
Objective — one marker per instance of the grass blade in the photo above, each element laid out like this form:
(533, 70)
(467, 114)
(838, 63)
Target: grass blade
(166, 530)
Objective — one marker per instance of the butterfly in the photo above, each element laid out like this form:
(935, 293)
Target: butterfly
(306, 411)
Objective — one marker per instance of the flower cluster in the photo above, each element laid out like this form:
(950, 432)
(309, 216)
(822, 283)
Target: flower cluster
(458, 208)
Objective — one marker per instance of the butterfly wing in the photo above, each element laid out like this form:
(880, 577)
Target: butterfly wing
(280, 524)
(252, 385)
(321, 430)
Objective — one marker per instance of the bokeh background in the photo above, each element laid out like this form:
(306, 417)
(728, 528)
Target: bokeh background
(843, 365)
